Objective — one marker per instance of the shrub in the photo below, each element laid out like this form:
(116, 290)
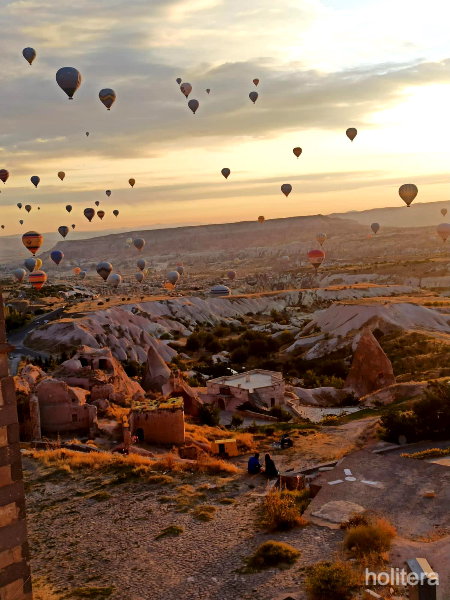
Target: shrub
(374, 538)
(236, 421)
(160, 479)
(355, 520)
(209, 414)
(272, 554)
(204, 512)
(280, 413)
(171, 530)
(331, 580)
(282, 510)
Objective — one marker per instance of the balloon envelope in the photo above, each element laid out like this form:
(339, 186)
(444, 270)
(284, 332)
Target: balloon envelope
(443, 212)
(37, 279)
(256, 81)
(73, 225)
(225, 172)
(61, 175)
(297, 151)
(443, 231)
(76, 270)
(351, 133)
(173, 277)
(375, 227)
(29, 54)
(116, 213)
(178, 80)
(316, 258)
(56, 256)
(87, 133)
(132, 182)
(407, 192)
(97, 203)
(186, 89)
(193, 105)
(114, 280)
(63, 230)
(207, 90)
(141, 263)
(104, 269)
(129, 240)
(32, 240)
(321, 237)
(108, 193)
(286, 188)
(107, 97)
(253, 96)
(19, 274)
(19, 204)
(35, 180)
(4, 175)
(180, 270)
(38, 264)
(139, 243)
(30, 264)
(231, 275)
(82, 274)
(69, 208)
(27, 207)
(89, 213)
(69, 80)
(261, 219)
(139, 277)
(100, 214)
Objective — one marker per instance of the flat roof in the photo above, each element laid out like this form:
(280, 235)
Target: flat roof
(146, 405)
(257, 379)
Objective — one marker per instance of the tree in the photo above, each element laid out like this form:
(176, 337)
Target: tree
(236, 421)
(209, 414)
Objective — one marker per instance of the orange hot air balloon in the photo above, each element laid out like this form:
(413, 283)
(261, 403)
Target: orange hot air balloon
(256, 81)
(316, 258)
(261, 219)
(351, 133)
(169, 286)
(61, 175)
(132, 182)
(37, 279)
(33, 241)
(77, 270)
(407, 192)
(297, 151)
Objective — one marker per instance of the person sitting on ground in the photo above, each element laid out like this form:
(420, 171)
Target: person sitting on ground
(254, 466)
(270, 470)
(286, 441)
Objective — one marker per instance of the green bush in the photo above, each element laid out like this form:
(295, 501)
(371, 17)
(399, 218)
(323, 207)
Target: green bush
(209, 414)
(236, 421)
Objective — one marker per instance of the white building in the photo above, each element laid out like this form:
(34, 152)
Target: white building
(257, 386)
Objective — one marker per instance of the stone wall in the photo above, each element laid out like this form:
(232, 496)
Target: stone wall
(15, 575)
(160, 426)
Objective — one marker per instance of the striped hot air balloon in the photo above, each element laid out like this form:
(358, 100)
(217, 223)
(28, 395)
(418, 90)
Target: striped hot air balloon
(37, 279)
(407, 192)
(107, 97)
(316, 258)
(33, 241)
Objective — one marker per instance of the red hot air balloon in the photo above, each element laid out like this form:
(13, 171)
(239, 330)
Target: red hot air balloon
(351, 133)
(33, 241)
(256, 81)
(100, 214)
(89, 213)
(4, 174)
(37, 279)
(297, 151)
(316, 258)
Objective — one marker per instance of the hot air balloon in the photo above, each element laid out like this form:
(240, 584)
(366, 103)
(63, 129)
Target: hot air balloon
(116, 212)
(178, 80)
(139, 277)
(173, 277)
(114, 280)
(104, 269)
(351, 133)
(76, 270)
(132, 182)
(108, 193)
(19, 274)
(73, 225)
(129, 241)
(69, 208)
(316, 258)
(29, 54)
(89, 213)
(3, 227)
(180, 270)
(35, 180)
(56, 256)
(193, 105)
(168, 286)
(207, 90)
(186, 89)
(82, 274)
(256, 81)
(253, 96)
(407, 192)
(375, 227)
(87, 133)
(39, 208)
(28, 207)
(37, 279)
(443, 212)
(4, 175)
(286, 188)
(33, 241)
(30, 264)
(19, 204)
(443, 231)
(285, 259)
(63, 230)
(69, 80)
(100, 214)
(139, 243)
(261, 219)
(220, 290)
(97, 203)
(321, 237)
(38, 264)
(61, 175)
(225, 172)
(107, 97)
(141, 263)
(297, 151)
(21, 222)
(231, 275)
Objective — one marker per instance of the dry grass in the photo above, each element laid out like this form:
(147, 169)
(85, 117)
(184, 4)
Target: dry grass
(372, 539)
(272, 554)
(160, 479)
(204, 435)
(430, 453)
(171, 530)
(331, 580)
(44, 591)
(204, 512)
(117, 412)
(282, 511)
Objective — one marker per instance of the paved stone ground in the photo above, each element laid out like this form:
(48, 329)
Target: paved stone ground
(79, 541)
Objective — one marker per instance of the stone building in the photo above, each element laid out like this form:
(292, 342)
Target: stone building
(259, 387)
(158, 422)
(15, 575)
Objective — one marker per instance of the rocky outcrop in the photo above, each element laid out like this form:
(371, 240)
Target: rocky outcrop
(157, 373)
(411, 390)
(176, 386)
(53, 391)
(371, 369)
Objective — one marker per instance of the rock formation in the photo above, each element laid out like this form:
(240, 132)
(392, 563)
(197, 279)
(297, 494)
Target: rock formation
(157, 373)
(371, 369)
(176, 386)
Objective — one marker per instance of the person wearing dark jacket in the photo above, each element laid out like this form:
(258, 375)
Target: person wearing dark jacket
(254, 466)
(270, 470)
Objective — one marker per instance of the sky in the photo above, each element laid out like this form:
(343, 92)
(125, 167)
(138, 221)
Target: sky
(381, 66)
